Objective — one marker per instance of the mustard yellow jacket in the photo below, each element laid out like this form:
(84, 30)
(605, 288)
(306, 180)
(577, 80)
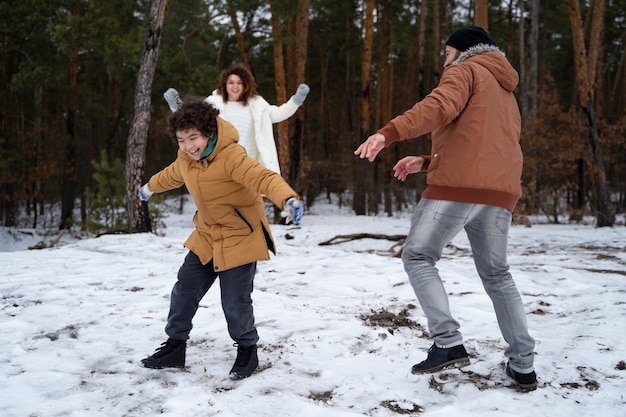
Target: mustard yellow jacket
(231, 227)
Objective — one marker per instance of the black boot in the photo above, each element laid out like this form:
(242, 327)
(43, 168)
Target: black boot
(525, 382)
(246, 362)
(171, 354)
(442, 358)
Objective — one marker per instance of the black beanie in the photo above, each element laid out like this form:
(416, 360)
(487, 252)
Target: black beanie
(464, 38)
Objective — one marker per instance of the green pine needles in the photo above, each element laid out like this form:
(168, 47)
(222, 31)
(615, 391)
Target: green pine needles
(106, 205)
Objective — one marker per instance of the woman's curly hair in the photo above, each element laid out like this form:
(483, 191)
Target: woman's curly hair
(196, 113)
(249, 84)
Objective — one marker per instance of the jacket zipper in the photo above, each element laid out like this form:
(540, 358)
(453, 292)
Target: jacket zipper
(244, 219)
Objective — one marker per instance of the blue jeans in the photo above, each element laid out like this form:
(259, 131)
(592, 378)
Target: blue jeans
(434, 224)
(194, 280)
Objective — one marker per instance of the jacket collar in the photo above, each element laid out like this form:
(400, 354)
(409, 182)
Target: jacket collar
(479, 49)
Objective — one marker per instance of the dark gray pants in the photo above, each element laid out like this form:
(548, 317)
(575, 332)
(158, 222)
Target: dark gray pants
(194, 280)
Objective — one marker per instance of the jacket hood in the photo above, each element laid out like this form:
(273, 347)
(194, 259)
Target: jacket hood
(227, 134)
(494, 59)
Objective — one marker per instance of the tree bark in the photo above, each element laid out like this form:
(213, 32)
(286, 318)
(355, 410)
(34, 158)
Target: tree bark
(604, 214)
(138, 216)
(232, 12)
(594, 60)
(284, 158)
(522, 66)
(481, 15)
(436, 40)
(421, 58)
(366, 63)
(69, 181)
(384, 106)
(618, 93)
(595, 40)
(533, 71)
(302, 33)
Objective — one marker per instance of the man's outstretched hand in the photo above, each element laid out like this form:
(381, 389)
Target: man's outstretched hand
(371, 147)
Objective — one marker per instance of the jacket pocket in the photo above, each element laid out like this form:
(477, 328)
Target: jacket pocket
(244, 220)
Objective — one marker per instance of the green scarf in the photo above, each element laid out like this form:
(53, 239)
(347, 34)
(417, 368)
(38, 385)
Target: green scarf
(210, 147)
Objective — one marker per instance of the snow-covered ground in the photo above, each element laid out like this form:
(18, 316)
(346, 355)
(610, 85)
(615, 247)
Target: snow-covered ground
(340, 327)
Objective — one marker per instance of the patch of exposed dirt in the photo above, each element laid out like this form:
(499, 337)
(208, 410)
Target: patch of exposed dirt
(324, 397)
(390, 320)
(402, 407)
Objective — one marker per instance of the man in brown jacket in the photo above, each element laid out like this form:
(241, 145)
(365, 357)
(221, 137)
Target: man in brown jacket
(231, 233)
(473, 183)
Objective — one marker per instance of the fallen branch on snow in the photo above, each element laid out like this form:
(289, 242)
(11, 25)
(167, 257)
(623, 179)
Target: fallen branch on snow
(348, 238)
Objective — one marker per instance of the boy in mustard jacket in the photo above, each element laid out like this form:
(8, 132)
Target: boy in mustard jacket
(231, 230)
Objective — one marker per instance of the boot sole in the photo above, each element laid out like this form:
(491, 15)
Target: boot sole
(236, 377)
(163, 367)
(148, 365)
(454, 364)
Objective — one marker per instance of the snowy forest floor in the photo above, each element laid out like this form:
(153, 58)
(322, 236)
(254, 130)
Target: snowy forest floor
(339, 324)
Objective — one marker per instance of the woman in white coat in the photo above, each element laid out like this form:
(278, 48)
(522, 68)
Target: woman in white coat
(237, 99)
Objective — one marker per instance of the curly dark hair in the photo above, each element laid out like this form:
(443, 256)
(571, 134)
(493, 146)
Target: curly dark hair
(249, 84)
(193, 113)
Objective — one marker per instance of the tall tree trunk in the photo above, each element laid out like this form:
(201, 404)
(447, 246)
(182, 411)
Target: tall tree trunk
(595, 40)
(618, 92)
(232, 12)
(421, 42)
(436, 40)
(114, 110)
(90, 134)
(366, 62)
(594, 59)
(421, 48)
(523, 75)
(384, 106)
(284, 159)
(138, 217)
(511, 29)
(302, 34)
(69, 181)
(481, 15)
(533, 73)
(39, 139)
(604, 214)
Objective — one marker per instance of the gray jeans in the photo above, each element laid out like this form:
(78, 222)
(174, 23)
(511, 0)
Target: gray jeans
(194, 280)
(434, 224)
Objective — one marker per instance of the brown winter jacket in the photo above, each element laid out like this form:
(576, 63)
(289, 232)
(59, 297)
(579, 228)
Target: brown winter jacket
(475, 124)
(231, 227)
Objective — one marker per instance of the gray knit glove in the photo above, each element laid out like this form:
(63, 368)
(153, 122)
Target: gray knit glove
(301, 94)
(173, 99)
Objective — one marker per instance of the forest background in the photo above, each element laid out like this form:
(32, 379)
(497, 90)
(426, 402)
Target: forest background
(81, 77)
